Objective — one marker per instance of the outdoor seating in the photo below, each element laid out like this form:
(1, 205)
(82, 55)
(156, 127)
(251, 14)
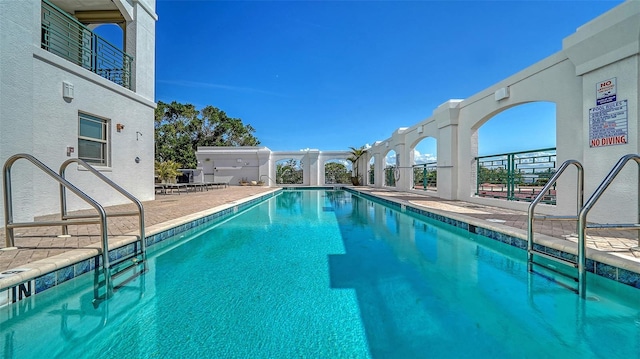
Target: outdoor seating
(217, 184)
(166, 188)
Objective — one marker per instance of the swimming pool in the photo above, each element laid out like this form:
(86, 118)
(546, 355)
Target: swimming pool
(324, 274)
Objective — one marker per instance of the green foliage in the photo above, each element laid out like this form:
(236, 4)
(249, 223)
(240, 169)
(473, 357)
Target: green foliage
(498, 175)
(167, 171)
(289, 172)
(390, 176)
(544, 177)
(419, 177)
(356, 153)
(181, 128)
(336, 173)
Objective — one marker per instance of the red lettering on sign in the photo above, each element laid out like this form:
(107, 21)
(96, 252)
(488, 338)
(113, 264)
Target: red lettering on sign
(607, 141)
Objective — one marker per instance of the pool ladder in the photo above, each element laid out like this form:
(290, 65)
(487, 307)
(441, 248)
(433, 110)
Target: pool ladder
(137, 258)
(581, 218)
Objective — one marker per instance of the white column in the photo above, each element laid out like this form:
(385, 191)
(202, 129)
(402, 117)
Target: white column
(600, 52)
(446, 116)
(140, 43)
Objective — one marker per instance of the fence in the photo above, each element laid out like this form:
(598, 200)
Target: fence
(516, 176)
(425, 176)
(390, 176)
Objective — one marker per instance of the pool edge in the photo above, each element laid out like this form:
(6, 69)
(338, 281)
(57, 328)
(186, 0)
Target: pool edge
(44, 274)
(622, 270)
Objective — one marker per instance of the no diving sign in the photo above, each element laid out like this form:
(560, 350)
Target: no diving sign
(606, 91)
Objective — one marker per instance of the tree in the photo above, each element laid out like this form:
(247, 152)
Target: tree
(181, 128)
(356, 153)
(289, 172)
(336, 173)
(498, 175)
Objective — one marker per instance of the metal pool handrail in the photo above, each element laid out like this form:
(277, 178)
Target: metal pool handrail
(582, 216)
(8, 209)
(531, 217)
(63, 200)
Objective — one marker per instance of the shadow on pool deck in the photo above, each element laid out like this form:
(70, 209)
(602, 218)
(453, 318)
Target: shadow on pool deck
(39, 243)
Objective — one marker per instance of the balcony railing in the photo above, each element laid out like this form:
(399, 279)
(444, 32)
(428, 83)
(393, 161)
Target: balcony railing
(425, 176)
(517, 176)
(66, 37)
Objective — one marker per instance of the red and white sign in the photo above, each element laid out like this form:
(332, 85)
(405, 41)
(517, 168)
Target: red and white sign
(606, 91)
(608, 124)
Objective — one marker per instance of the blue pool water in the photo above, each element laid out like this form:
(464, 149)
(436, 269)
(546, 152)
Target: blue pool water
(324, 274)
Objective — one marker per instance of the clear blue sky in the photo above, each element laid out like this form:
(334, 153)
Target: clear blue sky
(335, 74)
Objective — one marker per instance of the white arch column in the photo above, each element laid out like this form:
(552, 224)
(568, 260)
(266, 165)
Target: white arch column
(378, 169)
(603, 51)
(311, 168)
(446, 116)
(404, 167)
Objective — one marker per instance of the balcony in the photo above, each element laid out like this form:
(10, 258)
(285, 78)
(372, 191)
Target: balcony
(66, 37)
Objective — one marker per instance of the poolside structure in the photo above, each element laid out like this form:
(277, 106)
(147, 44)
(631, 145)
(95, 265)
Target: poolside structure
(67, 92)
(232, 164)
(593, 82)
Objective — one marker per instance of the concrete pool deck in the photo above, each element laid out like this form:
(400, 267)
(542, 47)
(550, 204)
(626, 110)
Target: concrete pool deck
(42, 245)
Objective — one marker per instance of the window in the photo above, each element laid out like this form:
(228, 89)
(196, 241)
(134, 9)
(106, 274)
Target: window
(93, 140)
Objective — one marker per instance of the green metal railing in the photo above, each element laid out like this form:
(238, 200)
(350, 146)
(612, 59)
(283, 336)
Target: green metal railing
(425, 176)
(390, 176)
(516, 176)
(66, 37)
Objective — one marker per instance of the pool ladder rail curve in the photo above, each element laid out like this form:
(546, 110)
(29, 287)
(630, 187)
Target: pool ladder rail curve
(581, 219)
(67, 219)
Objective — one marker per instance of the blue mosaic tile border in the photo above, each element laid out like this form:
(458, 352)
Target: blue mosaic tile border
(161, 236)
(382, 201)
(59, 276)
(620, 275)
(313, 188)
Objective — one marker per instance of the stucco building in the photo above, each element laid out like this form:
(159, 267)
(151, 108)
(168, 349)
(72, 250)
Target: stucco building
(67, 92)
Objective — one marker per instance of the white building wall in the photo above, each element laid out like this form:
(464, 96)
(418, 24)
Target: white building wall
(233, 164)
(37, 120)
(140, 37)
(605, 48)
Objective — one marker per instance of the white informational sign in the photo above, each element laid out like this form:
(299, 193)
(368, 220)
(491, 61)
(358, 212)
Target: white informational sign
(609, 124)
(606, 91)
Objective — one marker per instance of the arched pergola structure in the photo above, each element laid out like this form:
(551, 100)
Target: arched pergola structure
(602, 52)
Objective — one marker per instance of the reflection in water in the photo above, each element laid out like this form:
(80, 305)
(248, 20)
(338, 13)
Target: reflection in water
(338, 198)
(328, 276)
(290, 201)
(65, 325)
(426, 291)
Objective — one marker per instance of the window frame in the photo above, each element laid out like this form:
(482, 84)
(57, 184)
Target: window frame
(105, 141)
